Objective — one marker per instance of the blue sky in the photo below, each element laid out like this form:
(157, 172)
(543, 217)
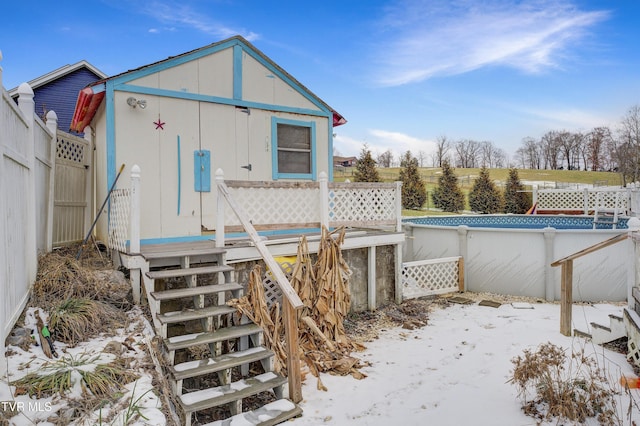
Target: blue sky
(401, 72)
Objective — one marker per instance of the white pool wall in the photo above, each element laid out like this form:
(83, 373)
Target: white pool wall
(518, 261)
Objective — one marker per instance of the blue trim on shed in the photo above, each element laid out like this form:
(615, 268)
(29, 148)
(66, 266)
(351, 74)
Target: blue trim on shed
(237, 72)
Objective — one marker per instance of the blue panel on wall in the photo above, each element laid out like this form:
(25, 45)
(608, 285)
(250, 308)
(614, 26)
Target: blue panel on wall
(202, 170)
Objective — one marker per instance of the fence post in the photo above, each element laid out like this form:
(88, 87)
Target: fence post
(220, 203)
(134, 230)
(549, 283)
(534, 196)
(27, 107)
(566, 297)
(461, 274)
(324, 200)
(89, 211)
(52, 125)
(398, 206)
(462, 248)
(134, 212)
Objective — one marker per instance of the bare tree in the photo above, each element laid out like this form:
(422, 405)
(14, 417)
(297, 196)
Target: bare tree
(443, 145)
(385, 159)
(596, 142)
(467, 153)
(491, 156)
(530, 153)
(422, 157)
(550, 150)
(628, 146)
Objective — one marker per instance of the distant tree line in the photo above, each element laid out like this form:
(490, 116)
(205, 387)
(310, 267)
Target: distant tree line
(600, 149)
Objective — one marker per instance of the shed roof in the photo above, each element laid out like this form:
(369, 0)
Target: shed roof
(90, 98)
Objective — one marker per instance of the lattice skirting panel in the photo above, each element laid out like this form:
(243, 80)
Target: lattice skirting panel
(429, 277)
(272, 292)
(119, 219)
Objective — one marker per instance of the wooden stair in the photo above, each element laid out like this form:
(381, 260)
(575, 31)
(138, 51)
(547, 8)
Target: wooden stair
(601, 334)
(187, 290)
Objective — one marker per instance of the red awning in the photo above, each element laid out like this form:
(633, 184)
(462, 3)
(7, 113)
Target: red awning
(86, 106)
(338, 120)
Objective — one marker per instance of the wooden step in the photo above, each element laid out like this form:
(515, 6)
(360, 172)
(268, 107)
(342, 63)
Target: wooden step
(271, 414)
(172, 273)
(189, 369)
(178, 293)
(194, 314)
(214, 397)
(162, 251)
(220, 335)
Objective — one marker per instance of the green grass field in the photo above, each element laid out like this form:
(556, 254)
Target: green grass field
(546, 179)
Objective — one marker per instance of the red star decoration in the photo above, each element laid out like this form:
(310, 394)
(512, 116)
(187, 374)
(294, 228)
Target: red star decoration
(159, 124)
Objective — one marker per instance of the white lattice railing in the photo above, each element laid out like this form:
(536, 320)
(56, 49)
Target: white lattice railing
(273, 205)
(434, 276)
(119, 213)
(585, 200)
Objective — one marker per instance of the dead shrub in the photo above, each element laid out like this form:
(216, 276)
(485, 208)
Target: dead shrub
(75, 320)
(61, 277)
(565, 386)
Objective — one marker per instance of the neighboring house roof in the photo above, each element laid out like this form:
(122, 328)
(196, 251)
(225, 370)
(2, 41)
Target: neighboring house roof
(90, 98)
(337, 159)
(60, 72)
(58, 89)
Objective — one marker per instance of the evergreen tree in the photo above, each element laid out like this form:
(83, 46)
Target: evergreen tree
(414, 191)
(447, 195)
(484, 196)
(515, 200)
(366, 170)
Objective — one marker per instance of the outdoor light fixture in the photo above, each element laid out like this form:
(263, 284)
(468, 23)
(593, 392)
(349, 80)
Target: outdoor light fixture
(133, 102)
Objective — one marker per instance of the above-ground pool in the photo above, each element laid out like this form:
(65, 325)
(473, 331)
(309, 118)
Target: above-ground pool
(517, 221)
(512, 254)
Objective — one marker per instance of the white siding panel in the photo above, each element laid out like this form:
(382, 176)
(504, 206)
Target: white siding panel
(181, 78)
(215, 74)
(261, 85)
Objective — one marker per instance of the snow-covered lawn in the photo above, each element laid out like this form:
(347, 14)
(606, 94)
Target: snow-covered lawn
(453, 371)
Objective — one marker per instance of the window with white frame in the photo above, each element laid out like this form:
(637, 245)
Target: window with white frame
(293, 149)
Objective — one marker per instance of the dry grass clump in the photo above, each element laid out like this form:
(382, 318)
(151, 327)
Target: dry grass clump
(564, 386)
(61, 277)
(77, 319)
(60, 376)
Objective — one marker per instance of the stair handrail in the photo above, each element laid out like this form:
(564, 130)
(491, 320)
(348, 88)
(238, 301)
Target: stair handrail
(290, 302)
(566, 280)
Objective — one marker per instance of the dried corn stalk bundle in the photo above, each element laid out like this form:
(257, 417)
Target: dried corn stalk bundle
(303, 278)
(323, 288)
(334, 297)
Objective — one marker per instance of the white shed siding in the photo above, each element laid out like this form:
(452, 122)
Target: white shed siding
(259, 84)
(215, 74)
(181, 78)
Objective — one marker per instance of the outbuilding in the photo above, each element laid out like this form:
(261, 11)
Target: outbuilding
(225, 105)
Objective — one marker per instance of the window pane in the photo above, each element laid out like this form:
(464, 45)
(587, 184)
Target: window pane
(296, 137)
(294, 162)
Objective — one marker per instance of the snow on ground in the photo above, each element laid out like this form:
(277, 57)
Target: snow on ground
(455, 370)
(145, 409)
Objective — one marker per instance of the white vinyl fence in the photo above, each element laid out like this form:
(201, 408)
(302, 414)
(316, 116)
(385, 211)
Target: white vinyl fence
(26, 201)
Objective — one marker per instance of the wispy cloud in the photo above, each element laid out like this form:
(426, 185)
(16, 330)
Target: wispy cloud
(180, 14)
(437, 38)
(379, 141)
